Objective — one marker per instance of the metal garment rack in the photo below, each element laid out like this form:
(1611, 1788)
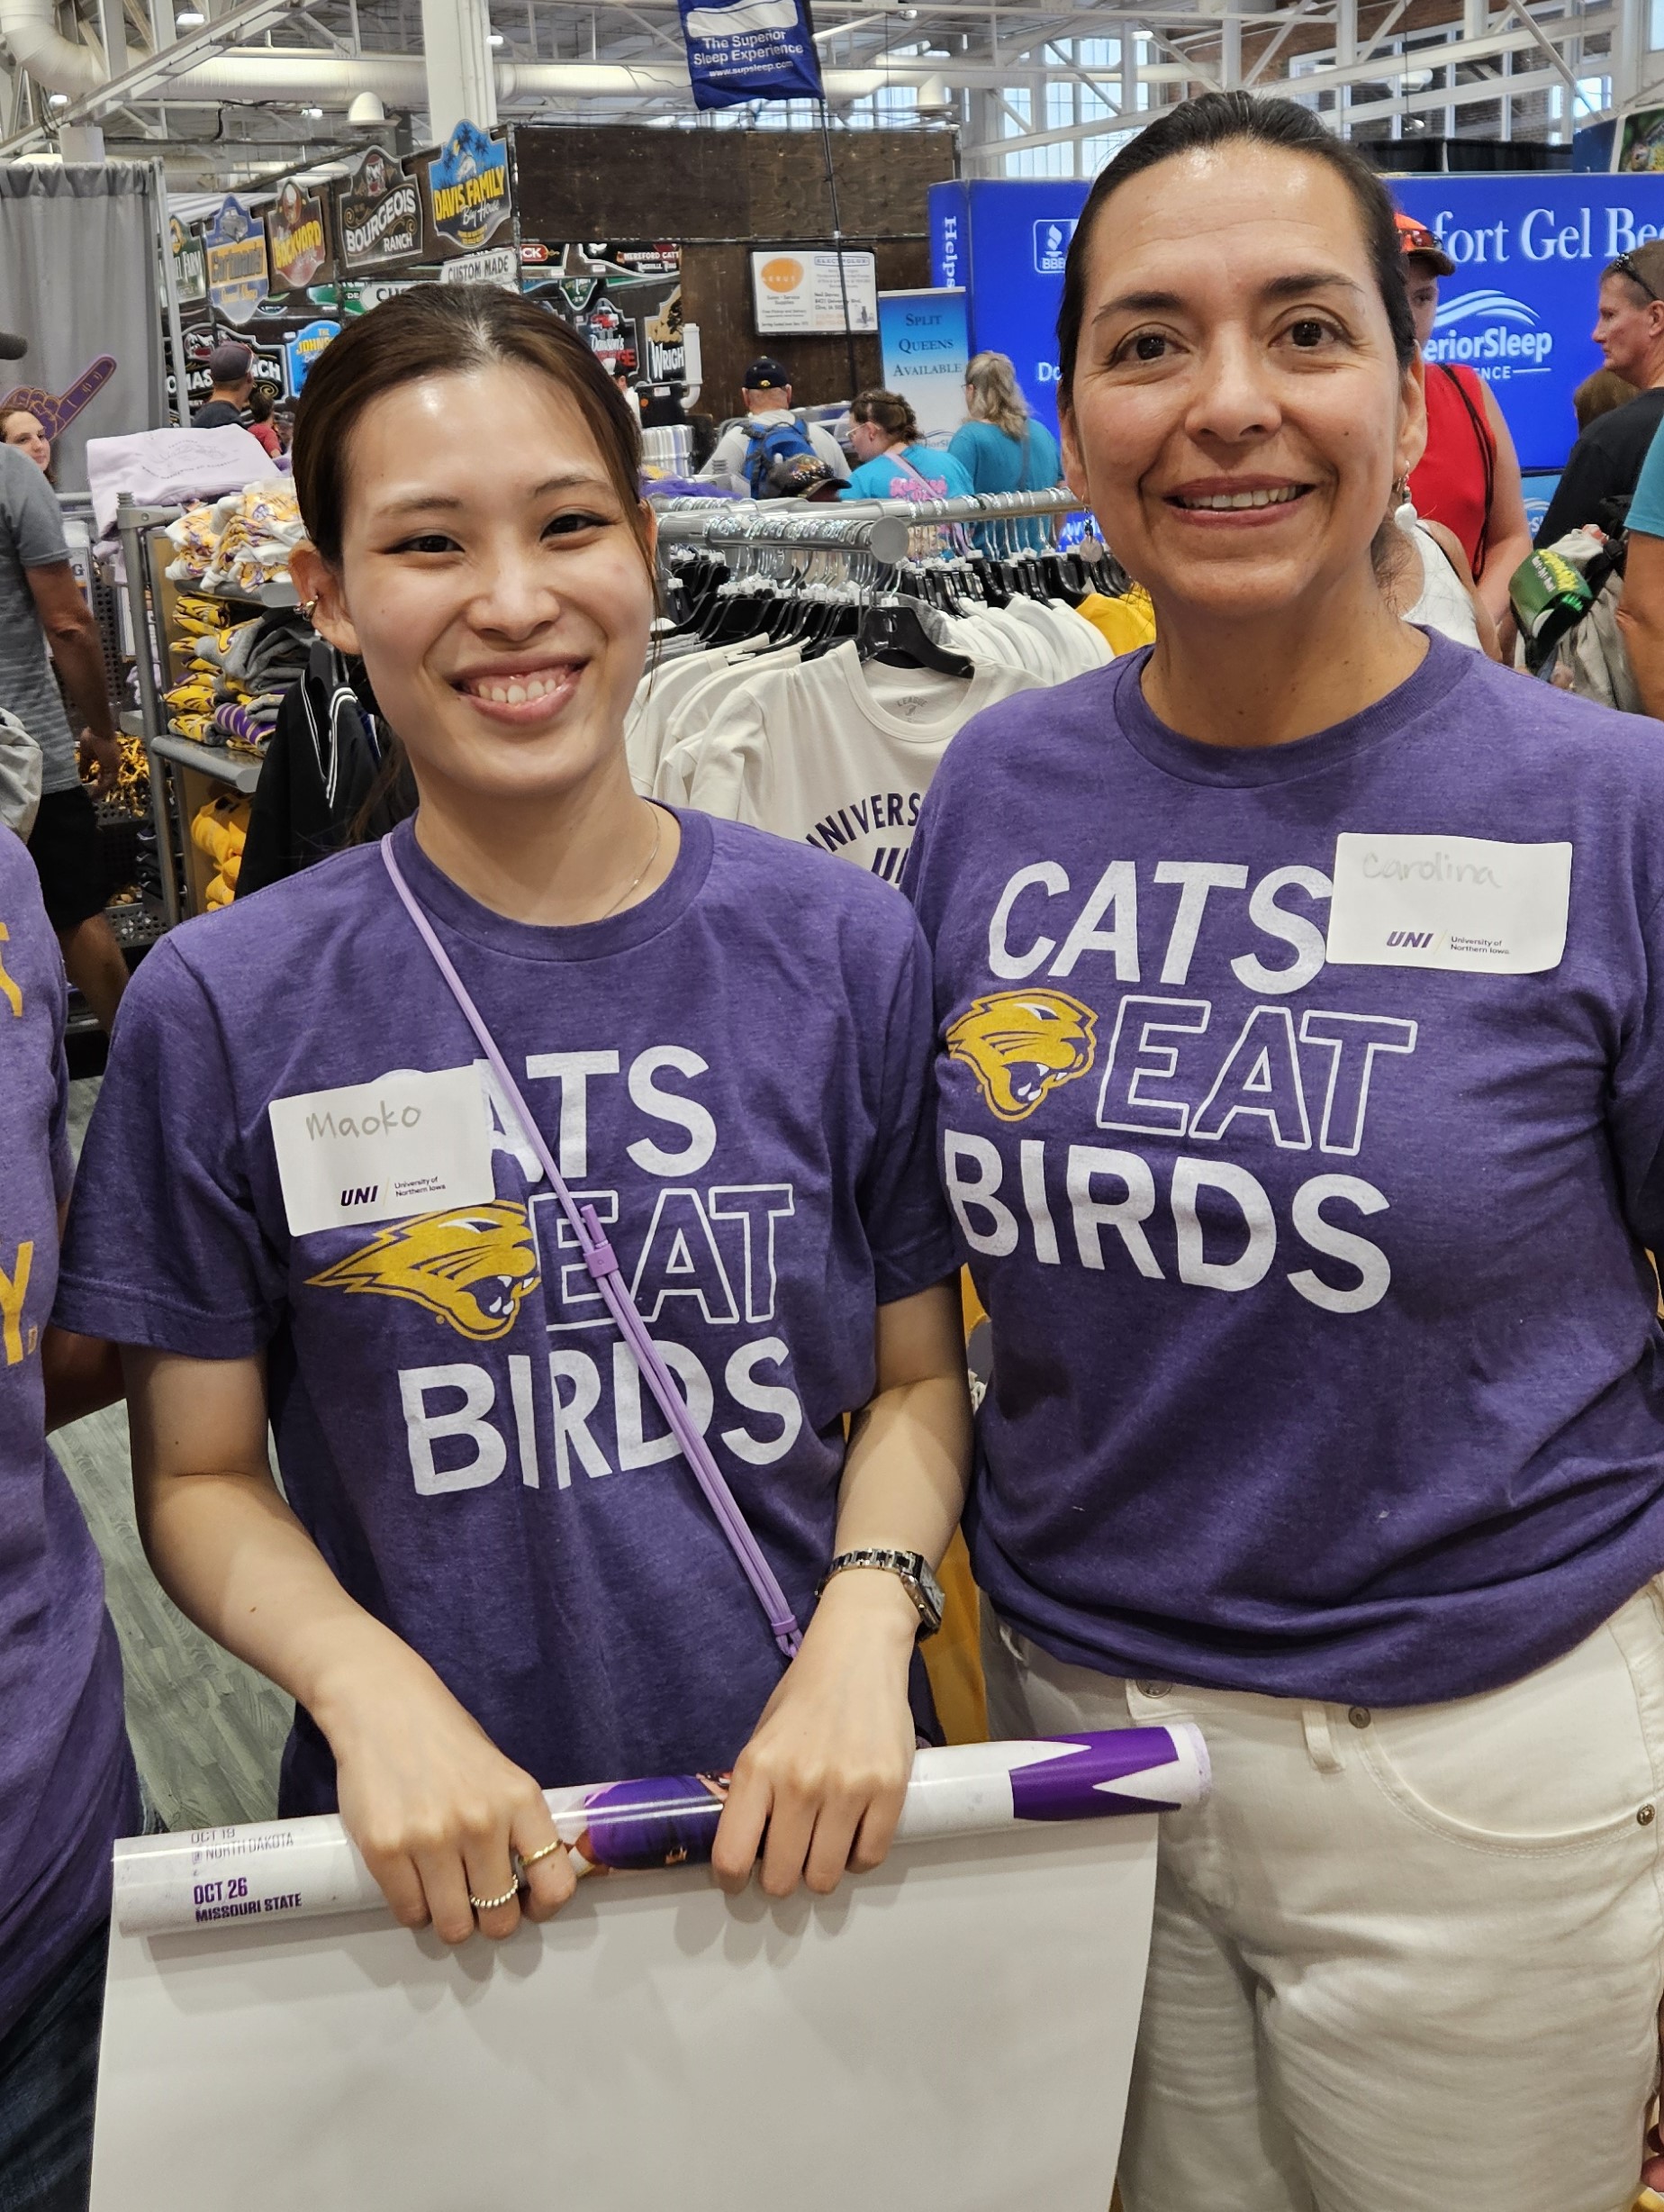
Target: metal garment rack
(880, 528)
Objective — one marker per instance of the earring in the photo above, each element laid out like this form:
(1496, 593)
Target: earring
(308, 607)
(1400, 493)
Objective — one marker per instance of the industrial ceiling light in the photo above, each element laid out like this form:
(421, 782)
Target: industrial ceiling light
(494, 37)
(312, 114)
(189, 19)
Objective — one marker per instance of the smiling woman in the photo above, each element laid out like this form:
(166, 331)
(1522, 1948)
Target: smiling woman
(1301, 1100)
(364, 1236)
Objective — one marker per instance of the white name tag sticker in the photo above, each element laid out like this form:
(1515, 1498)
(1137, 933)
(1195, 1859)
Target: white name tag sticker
(1465, 903)
(408, 1143)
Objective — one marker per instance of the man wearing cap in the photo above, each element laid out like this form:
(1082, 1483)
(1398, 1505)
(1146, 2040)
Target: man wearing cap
(231, 369)
(1468, 476)
(1629, 329)
(767, 394)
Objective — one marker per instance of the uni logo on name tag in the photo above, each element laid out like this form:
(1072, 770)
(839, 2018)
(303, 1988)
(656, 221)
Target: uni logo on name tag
(407, 1143)
(1471, 904)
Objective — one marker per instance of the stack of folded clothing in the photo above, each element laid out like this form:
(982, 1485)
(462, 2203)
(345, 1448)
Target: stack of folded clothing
(241, 543)
(233, 684)
(220, 829)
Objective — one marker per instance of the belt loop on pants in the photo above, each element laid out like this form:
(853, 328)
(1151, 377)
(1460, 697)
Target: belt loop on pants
(1319, 1739)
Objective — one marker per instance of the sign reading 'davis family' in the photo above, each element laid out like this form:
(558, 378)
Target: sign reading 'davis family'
(234, 250)
(294, 226)
(468, 188)
(379, 215)
(795, 290)
(749, 49)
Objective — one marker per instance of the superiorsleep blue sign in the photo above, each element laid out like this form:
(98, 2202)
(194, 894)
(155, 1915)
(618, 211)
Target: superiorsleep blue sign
(1528, 251)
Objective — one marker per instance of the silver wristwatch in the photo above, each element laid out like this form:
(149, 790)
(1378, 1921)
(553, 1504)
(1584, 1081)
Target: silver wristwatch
(915, 1576)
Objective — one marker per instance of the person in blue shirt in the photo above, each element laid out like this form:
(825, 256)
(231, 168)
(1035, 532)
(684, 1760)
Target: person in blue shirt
(893, 462)
(1000, 449)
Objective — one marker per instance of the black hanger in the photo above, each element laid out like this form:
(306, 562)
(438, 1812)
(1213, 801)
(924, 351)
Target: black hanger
(895, 633)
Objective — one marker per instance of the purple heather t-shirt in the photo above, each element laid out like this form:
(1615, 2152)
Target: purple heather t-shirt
(734, 1073)
(1325, 1361)
(67, 1782)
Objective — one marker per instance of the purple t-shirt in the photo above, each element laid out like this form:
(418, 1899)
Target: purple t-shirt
(734, 1073)
(67, 1782)
(1307, 1181)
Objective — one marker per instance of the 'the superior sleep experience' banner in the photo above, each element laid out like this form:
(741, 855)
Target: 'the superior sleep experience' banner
(749, 49)
(924, 339)
(1528, 252)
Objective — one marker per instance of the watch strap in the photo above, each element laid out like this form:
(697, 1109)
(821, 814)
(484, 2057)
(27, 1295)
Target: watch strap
(910, 1568)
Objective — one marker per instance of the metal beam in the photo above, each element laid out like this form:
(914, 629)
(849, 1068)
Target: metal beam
(147, 77)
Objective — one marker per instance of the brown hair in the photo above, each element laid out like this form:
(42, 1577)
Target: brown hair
(1645, 270)
(889, 410)
(1596, 396)
(6, 414)
(448, 330)
(1217, 119)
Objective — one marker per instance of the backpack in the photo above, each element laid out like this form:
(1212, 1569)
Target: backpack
(775, 458)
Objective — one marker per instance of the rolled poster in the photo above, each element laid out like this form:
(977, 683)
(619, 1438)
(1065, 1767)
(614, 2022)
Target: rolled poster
(305, 1868)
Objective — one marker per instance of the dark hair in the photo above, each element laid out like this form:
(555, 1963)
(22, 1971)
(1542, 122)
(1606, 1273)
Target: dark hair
(1596, 396)
(1216, 119)
(447, 330)
(1645, 270)
(889, 410)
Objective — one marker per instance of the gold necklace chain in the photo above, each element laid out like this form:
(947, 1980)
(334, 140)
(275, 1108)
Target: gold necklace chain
(658, 824)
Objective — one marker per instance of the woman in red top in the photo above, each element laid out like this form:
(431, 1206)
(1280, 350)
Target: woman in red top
(1469, 478)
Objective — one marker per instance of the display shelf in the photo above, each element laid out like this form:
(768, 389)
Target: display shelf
(282, 594)
(240, 771)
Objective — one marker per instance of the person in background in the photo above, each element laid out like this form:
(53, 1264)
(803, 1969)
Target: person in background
(767, 395)
(892, 462)
(43, 610)
(1599, 394)
(1283, 1438)
(68, 1788)
(1468, 477)
(23, 429)
(1607, 460)
(1640, 611)
(231, 369)
(260, 422)
(1001, 447)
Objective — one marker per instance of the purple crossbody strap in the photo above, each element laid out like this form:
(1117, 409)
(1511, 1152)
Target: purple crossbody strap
(602, 1263)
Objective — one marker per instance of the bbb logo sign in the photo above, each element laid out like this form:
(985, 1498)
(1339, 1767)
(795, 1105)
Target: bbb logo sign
(1051, 246)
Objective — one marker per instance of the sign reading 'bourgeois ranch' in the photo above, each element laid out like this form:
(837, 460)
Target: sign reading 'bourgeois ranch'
(380, 216)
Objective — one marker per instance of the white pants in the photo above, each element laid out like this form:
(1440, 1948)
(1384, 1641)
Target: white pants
(1404, 1961)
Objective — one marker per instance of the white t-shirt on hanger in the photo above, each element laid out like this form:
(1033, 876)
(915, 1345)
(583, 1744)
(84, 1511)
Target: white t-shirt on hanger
(840, 753)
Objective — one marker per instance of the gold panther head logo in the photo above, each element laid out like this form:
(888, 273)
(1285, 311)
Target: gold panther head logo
(1020, 1045)
(473, 1268)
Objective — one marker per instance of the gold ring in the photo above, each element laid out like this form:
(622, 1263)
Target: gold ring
(530, 1858)
(490, 1904)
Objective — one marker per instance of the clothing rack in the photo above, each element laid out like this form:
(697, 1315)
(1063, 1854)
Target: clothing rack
(880, 528)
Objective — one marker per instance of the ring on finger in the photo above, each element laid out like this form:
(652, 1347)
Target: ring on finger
(530, 1858)
(490, 1904)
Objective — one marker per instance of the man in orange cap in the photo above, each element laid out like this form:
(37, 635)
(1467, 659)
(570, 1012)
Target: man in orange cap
(1468, 477)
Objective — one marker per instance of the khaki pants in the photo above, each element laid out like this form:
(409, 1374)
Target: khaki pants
(1406, 1959)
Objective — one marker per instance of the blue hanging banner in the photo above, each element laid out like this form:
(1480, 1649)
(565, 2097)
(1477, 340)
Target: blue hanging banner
(749, 49)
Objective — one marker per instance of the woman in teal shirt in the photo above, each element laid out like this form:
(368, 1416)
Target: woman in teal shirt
(1000, 449)
(893, 463)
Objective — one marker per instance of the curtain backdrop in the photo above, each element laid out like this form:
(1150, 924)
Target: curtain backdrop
(79, 281)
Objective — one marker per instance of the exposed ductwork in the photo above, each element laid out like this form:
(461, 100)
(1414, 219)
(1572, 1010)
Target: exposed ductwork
(297, 77)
